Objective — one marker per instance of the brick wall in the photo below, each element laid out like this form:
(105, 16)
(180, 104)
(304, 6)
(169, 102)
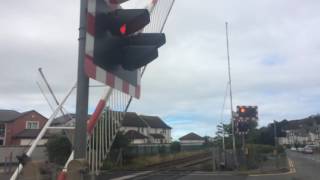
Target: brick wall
(18, 125)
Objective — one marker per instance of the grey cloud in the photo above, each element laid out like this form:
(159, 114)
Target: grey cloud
(190, 75)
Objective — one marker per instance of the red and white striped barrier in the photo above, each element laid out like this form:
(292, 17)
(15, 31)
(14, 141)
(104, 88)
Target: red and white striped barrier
(94, 71)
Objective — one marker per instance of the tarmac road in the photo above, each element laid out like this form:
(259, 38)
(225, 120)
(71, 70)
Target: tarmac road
(303, 167)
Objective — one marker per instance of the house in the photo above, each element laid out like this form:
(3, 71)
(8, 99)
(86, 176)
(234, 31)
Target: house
(136, 138)
(139, 129)
(65, 120)
(145, 129)
(300, 136)
(20, 128)
(191, 139)
(301, 131)
(159, 131)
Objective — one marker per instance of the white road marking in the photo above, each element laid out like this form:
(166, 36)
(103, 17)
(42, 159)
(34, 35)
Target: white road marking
(131, 175)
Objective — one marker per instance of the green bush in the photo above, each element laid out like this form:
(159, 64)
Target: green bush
(58, 149)
(257, 153)
(175, 147)
(280, 149)
(260, 148)
(162, 150)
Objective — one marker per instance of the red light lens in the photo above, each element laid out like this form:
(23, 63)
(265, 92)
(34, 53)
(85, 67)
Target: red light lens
(242, 110)
(123, 29)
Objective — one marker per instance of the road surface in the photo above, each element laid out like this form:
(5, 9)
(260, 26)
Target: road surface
(304, 167)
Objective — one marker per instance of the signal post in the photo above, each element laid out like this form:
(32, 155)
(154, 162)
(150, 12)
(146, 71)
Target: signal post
(111, 50)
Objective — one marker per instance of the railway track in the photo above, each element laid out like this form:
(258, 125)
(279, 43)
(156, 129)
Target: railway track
(169, 169)
(182, 163)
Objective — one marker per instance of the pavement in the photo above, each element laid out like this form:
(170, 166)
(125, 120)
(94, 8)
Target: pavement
(301, 167)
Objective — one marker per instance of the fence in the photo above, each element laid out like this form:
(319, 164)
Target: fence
(192, 147)
(256, 158)
(147, 149)
(8, 153)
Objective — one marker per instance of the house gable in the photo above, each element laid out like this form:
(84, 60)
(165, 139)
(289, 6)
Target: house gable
(20, 123)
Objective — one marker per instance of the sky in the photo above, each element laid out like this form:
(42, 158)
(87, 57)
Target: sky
(274, 53)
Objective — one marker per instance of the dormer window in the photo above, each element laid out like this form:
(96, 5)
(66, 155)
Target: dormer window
(32, 125)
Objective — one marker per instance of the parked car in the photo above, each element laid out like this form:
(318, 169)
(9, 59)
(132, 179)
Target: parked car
(293, 149)
(307, 150)
(300, 149)
(311, 148)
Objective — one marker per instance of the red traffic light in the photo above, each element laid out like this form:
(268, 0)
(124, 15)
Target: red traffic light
(122, 22)
(123, 29)
(247, 112)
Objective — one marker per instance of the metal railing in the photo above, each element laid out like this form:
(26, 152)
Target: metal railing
(105, 131)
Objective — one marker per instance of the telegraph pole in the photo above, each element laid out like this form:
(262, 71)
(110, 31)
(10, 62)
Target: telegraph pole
(231, 103)
(80, 140)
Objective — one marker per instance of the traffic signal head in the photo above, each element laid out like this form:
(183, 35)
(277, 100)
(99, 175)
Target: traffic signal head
(242, 127)
(119, 45)
(250, 112)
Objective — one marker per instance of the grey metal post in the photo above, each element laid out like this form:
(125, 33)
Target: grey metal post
(214, 168)
(276, 143)
(50, 90)
(243, 142)
(231, 104)
(80, 140)
(223, 143)
(275, 133)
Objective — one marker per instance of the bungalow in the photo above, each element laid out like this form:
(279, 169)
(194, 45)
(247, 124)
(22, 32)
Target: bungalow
(192, 139)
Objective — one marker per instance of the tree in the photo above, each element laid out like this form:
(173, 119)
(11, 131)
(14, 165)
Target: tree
(119, 148)
(121, 141)
(207, 143)
(226, 131)
(58, 149)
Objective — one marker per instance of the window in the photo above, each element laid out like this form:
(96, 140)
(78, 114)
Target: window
(1, 142)
(2, 130)
(32, 125)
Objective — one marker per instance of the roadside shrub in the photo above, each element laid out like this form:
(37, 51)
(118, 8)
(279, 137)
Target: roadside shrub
(162, 150)
(280, 149)
(258, 153)
(58, 149)
(260, 148)
(175, 147)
